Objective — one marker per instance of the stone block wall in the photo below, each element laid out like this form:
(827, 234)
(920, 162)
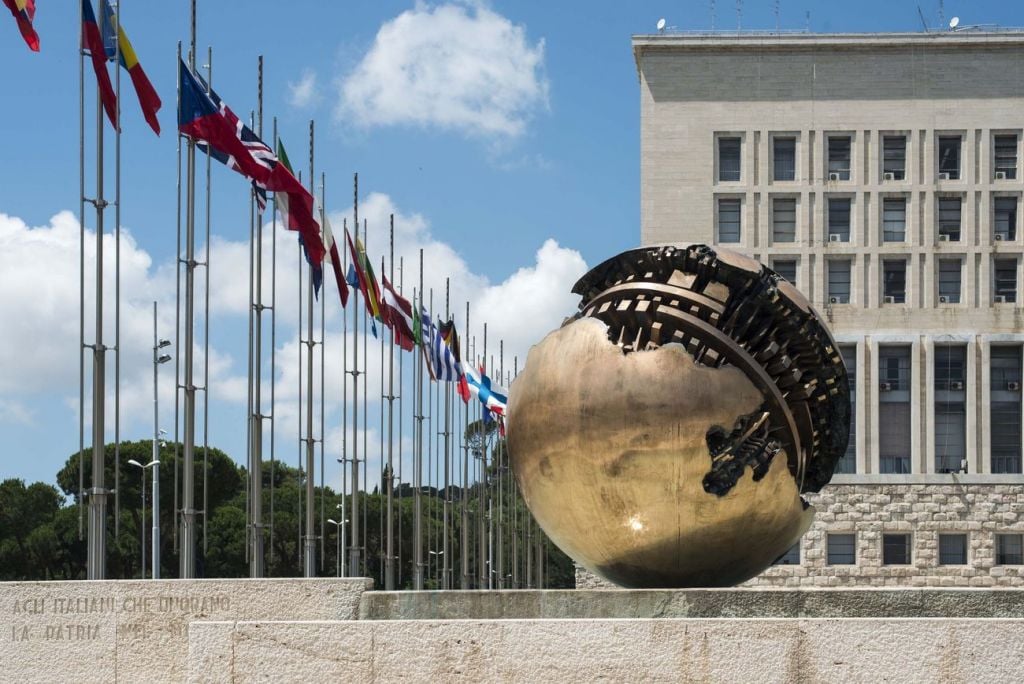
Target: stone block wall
(981, 511)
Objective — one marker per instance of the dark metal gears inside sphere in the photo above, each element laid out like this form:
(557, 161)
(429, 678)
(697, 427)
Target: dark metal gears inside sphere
(663, 435)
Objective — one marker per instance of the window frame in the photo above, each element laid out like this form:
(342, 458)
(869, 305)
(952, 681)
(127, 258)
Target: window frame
(1011, 172)
(908, 552)
(898, 299)
(1003, 260)
(1011, 233)
(719, 200)
(774, 200)
(955, 174)
(829, 266)
(952, 297)
(794, 138)
(720, 137)
(829, 537)
(899, 174)
(966, 549)
(841, 171)
(946, 228)
(1000, 552)
(904, 200)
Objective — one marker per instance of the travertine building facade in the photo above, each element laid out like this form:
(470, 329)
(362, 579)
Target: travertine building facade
(883, 175)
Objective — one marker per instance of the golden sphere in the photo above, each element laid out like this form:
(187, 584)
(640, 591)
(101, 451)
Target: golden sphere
(655, 463)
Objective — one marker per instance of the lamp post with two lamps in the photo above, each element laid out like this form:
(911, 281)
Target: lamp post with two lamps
(142, 526)
(340, 536)
(158, 359)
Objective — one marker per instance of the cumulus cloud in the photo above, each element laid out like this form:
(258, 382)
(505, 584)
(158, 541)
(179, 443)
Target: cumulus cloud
(303, 93)
(460, 67)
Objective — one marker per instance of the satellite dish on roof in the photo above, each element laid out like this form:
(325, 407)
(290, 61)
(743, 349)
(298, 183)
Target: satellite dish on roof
(661, 24)
(954, 22)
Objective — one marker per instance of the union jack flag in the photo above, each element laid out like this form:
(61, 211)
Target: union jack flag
(259, 150)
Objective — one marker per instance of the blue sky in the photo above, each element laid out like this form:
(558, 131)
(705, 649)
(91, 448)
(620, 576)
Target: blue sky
(503, 135)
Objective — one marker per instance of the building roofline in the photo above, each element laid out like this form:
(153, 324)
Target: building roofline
(801, 40)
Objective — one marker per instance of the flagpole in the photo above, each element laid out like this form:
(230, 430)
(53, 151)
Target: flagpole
(309, 565)
(514, 488)
(81, 278)
(417, 471)
(97, 546)
(485, 564)
(206, 329)
(187, 557)
(431, 463)
(273, 347)
(384, 473)
(344, 402)
(117, 282)
(495, 454)
(500, 525)
(366, 413)
(464, 540)
(389, 560)
(300, 542)
(353, 568)
(401, 421)
(446, 579)
(177, 330)
(323, 340)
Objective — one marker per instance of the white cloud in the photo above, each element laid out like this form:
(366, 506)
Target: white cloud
(459, 67)
(304, 93)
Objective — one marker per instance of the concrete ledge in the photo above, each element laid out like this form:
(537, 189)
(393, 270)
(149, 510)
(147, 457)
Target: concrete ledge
(132, 630)
(693, 603)
(670, 650)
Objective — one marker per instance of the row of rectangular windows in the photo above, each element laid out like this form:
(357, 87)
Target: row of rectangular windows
(949, 287)
(892, 154)
(839, 225)
(951, 387)
(841, 549)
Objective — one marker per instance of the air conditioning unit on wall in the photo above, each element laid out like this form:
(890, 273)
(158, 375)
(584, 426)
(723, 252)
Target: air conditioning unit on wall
(944, 175)
(1000, 175)
(833, 176)
(956, 386)
(943, 238)
(888, 175)
(885, 386)
(835, 237)
(943, 299)
(999, 299)
(888, 299)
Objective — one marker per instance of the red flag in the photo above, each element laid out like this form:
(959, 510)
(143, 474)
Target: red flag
(24, 12)
(94, 43)
(397, 313)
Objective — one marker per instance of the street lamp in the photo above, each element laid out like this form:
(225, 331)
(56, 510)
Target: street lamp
(158, 359)
(338, 536)
(341, 506)
(142, 525)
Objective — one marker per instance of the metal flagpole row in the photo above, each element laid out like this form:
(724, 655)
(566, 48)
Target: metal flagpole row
(389, 557)
(323, 340)
(464, 539)
(366, 413)
(273, 353)
(206, 330)
(343, 461)
(117, 281)
(401, 417)
(417, 471)
(300, 545)
(309, 562)
(354, 561)
(384, 472)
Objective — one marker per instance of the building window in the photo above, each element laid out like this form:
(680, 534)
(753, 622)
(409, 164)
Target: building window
(949, 281)
(1005, 408)
(894, 157)
(952, 549)
(1009, 549)
(786, 268)
(950, 409)
(1005, 156)
(728, 220)
(949, 157)
(784, 159)
(848, 461)
(895, 549)
(1004, 225)
(784, 219)
(1005, 281)
(729, 159)
(894, 281)
(839, 219)
(791, 557)
(949, 218)
(894, 409)
(839, 157)
(842, 549)
(839, 281)
(894, 219)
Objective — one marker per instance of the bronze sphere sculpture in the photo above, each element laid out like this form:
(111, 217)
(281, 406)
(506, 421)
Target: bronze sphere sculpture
(663, 435)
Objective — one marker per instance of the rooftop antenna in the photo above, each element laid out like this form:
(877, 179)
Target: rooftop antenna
(923, 22)
(739, 15)
(775, 10)
(661, 25)
(712, 6)
(953, 23)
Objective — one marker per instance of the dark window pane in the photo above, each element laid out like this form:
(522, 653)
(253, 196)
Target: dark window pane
(896, 549)
(848, 461)
(894, 219)
(949, 281)
(791, 557)
(785, 159)
(839, 219)
(1005, 408)
(839, 281)
(786, 268)
(784, 219)
(894, 409)
(839, 158)
(894, 156)
(949, 218)
(728, 220)
(949, 156)
(728, 159)
(1004, 216)
(1009, 549)
(1006, 155)
(1005, 280)
(952, 549)
(842, 549)
(894, 285)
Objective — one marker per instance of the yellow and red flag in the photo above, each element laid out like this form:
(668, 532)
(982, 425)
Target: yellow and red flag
(24, 12)
(119, 46)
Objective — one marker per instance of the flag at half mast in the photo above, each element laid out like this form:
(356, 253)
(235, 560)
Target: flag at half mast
(24, 12)
(118, 46)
